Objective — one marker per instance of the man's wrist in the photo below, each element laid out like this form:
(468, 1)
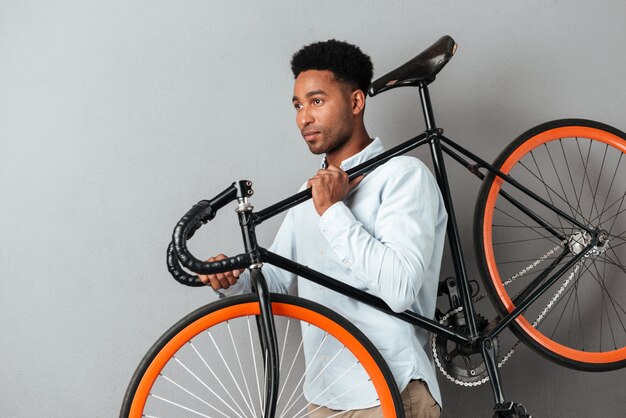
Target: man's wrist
(323, 208)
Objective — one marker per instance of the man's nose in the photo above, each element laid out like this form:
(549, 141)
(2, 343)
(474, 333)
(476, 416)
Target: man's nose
(305, 117)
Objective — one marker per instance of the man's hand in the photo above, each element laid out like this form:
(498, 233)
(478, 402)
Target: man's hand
(329, 187)
(220, 280)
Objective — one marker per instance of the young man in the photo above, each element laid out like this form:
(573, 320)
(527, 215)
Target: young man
(383, 233)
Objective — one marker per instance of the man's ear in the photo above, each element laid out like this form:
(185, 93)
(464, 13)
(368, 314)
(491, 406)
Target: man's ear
(357, 98)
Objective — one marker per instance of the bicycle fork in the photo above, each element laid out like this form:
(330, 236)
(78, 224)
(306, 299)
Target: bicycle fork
(269, 345)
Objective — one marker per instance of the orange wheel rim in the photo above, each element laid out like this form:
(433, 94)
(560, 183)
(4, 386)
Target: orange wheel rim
(252, 308)
(536, 335)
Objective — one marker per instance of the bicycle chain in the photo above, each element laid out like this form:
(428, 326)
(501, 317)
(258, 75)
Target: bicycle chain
(537, 321)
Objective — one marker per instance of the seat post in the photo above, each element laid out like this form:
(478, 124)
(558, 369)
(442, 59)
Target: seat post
(427, 107)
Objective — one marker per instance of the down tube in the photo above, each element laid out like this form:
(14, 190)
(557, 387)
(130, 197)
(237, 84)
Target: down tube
(364, 297)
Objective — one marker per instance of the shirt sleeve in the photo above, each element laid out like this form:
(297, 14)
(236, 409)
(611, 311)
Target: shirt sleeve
(392, 264)
(278, 280)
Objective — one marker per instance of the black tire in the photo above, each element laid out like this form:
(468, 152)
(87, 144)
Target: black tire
(577, 166)
(187, 343)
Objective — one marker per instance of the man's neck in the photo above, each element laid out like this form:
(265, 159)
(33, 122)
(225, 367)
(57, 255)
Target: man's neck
(352, 147)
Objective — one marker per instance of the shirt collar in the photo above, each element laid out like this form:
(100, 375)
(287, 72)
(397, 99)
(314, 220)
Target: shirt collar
(373, 149)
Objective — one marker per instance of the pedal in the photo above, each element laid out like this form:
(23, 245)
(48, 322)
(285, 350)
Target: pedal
(510, 410)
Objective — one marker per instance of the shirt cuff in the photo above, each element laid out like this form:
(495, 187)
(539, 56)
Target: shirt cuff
(336, 221)
(335, 224)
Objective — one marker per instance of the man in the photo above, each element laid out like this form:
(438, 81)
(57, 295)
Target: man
(382, 233)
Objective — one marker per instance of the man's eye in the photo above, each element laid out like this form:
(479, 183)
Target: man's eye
(317, 101)
(298, 106)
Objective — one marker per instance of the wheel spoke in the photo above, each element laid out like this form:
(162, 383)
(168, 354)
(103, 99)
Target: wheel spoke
(535, 229)
(315, 378)
(256, 370)
(608, 193)
(243, 375)
(600, 281)
(574, 211)
(293, 363)
(192, 394)
(595, 190)
(341, 395)
(559, 180)
(571, 178)
(289, 403)
(181, 406)
(232, 376)
(243, 414)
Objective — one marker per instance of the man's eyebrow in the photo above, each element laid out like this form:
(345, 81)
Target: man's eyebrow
(309, 94)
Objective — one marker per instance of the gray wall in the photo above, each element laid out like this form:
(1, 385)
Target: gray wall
(116, 116)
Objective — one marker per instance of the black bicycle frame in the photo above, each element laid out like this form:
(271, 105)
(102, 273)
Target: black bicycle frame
(439, 145)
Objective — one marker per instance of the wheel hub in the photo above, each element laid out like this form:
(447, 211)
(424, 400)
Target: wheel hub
(578, 241)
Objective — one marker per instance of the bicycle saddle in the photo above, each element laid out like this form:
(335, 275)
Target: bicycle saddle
(421, 69)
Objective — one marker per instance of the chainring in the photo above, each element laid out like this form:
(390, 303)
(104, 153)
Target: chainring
(456, 362)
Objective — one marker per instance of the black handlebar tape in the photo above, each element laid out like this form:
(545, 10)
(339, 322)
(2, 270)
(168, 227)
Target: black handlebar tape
(180, 275)
(211, 208)
(205, 215)
(190, 223)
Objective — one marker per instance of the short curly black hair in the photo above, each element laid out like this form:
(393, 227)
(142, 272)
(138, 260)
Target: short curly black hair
(346, 61)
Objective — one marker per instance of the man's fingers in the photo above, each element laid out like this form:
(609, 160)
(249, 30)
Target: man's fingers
(220, 280)
(332, 171)
(221, 277)
(215, 284)
(325, 173)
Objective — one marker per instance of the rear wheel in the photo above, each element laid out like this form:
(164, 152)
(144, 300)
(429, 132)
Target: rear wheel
(210, 364)
(579, 167)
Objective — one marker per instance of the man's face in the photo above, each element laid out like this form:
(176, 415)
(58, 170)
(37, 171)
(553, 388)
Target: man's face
(323, 111)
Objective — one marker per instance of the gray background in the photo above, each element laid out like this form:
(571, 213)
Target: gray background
(115, 117)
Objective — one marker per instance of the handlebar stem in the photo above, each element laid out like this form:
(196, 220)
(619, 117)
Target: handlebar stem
(247, 224)
(246, 221)
(244, 188)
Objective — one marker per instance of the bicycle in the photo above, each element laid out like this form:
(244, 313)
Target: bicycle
(549, 231)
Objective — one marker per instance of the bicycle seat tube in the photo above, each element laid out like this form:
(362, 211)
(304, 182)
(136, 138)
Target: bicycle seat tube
(452, 229)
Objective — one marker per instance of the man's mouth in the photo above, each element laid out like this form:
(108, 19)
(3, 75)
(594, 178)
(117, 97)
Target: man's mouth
(310, 135)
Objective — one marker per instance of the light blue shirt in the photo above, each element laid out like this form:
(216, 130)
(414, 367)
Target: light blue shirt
(386, 237)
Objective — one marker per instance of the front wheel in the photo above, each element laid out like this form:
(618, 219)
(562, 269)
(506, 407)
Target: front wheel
(578, 166)
(210, 364)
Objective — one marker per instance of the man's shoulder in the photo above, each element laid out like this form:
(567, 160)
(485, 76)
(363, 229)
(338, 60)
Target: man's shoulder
(403, 164)
(405, 172)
